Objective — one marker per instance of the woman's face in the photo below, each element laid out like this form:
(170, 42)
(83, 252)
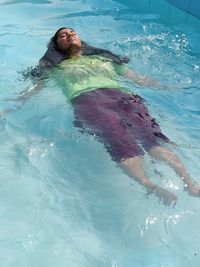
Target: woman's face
(68, 39)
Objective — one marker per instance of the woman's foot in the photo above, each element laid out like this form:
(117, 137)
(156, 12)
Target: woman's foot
(164, 195)
(192, 187)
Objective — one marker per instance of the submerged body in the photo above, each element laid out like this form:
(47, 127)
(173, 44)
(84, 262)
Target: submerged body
(90, 79)
(116, 116)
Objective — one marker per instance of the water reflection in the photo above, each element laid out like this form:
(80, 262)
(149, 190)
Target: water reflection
(8, 2)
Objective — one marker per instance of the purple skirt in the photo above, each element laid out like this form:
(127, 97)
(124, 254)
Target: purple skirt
(119, 120)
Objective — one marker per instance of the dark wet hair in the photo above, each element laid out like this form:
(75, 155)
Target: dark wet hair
(53, 56)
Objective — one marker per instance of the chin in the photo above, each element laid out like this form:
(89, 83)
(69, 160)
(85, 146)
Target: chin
(75, 44)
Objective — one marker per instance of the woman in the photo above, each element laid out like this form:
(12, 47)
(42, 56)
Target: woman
(102, 107)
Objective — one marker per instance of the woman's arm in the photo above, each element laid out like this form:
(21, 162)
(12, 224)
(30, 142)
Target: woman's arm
(23, 97)
(37, 75)
(141, 80)
(30, 91)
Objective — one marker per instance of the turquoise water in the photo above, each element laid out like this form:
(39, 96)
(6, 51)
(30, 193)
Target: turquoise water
(63, 202)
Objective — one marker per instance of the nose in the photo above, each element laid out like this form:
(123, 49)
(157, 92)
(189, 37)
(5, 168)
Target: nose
(71, 34)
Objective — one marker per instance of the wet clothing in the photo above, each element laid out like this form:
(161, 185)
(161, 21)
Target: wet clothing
(87, 73)
(119, 120)
(103, 108)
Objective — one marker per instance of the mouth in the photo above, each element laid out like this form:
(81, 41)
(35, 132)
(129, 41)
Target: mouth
(72, 42)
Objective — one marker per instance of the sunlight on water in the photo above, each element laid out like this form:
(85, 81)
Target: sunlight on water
(63, 202)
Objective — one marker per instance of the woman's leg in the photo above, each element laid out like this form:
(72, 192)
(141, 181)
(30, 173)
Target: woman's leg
(134, 168)
(164, 154)
(117, 119)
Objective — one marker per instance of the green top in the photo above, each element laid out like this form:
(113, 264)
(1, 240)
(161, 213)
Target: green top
(87, 73)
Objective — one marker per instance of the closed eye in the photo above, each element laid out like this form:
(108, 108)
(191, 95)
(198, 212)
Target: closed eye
(65, 34)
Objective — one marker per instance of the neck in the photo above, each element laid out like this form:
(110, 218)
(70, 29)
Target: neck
(75, 52)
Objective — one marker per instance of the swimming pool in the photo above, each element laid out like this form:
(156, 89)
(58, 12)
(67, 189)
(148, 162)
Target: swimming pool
(63, 202)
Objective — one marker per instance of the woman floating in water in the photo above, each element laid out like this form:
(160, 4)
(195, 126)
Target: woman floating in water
(102, 107)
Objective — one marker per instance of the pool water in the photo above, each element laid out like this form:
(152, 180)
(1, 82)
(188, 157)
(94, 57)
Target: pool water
(63, 202)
